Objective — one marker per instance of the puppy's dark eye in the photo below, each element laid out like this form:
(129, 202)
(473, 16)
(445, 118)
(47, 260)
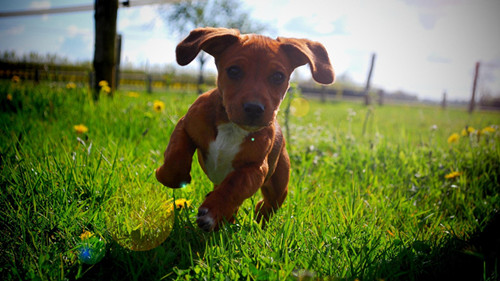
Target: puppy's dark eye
(234, 72)
(277, 78)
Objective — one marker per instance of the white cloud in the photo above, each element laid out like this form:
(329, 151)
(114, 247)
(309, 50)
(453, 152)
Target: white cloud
(73, 30)
(152, 50)
(422, 47)
(77, 41)
(145, 36)
(40, 5)
(142, 17)
(315, 25)
(16, 30)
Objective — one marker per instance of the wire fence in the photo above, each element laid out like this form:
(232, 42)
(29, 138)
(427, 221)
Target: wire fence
(488, 85)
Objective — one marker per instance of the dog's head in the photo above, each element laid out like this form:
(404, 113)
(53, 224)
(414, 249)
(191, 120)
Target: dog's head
(253, 70)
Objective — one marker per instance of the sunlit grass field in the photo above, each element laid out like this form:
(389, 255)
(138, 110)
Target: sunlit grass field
(390, 192)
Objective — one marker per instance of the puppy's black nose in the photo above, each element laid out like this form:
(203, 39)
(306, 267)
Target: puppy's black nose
(253, 109)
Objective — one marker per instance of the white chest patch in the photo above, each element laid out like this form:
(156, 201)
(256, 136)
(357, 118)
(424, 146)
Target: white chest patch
(222, 150)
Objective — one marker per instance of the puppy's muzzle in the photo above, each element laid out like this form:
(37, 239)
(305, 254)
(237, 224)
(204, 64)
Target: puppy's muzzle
(253, 110)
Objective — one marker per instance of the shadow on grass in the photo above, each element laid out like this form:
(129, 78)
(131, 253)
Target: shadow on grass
(185, 243)
(474, 259)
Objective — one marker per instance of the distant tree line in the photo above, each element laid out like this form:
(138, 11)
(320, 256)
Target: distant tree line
(33, 58)
(52, 67)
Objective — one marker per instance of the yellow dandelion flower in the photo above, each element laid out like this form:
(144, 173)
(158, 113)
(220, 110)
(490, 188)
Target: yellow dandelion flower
(158, 106)
(453, 138)
(106, 89)
(133, 94)
(86, 235)
(467, 131)
(488, 130)
(16, 79)
(103, 83)
(453, 175)
(181, 203)
(71, 85)
(81, 129)
(9, 97)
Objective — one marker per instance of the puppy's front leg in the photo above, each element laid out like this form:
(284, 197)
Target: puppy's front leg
(224, 201)
(175, 171)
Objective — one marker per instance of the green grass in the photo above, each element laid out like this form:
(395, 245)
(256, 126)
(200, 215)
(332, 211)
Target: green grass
(368, 198)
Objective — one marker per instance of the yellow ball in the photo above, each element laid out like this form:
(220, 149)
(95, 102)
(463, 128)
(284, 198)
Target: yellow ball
(299, 107)
(140, 218)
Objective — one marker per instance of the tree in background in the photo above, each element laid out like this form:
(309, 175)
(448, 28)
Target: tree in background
(186, 15)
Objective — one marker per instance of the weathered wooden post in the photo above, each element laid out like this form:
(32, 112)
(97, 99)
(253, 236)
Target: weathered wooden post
(118, 59)
(91, 79)
(443, 102)
(105, 36)
(368, 81)
(201, 79)
(37, 75)
(474, 85)
(381, 97)
(149, 83)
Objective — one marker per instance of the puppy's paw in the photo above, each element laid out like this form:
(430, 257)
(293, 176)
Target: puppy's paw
(213, 213)
(204, 219)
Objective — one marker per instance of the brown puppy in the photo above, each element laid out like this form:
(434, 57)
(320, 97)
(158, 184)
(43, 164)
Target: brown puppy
(234, 127)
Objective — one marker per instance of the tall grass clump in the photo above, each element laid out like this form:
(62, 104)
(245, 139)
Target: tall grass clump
(395, 192)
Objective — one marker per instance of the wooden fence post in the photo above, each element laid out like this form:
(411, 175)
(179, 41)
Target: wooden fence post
(474, 85)
(323, 94)
(91, 79)
(368, 81)
(105, 35)
(118, 48)
(149, 82)
(443, 102)
(381, 97)
(37, 75)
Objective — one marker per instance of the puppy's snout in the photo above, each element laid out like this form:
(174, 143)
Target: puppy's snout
(253, 110)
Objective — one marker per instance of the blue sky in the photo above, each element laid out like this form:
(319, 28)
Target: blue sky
(423, 47)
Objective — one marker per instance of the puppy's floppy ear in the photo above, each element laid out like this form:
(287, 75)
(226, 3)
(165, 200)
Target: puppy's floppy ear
(302, 51)
(209, 39)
